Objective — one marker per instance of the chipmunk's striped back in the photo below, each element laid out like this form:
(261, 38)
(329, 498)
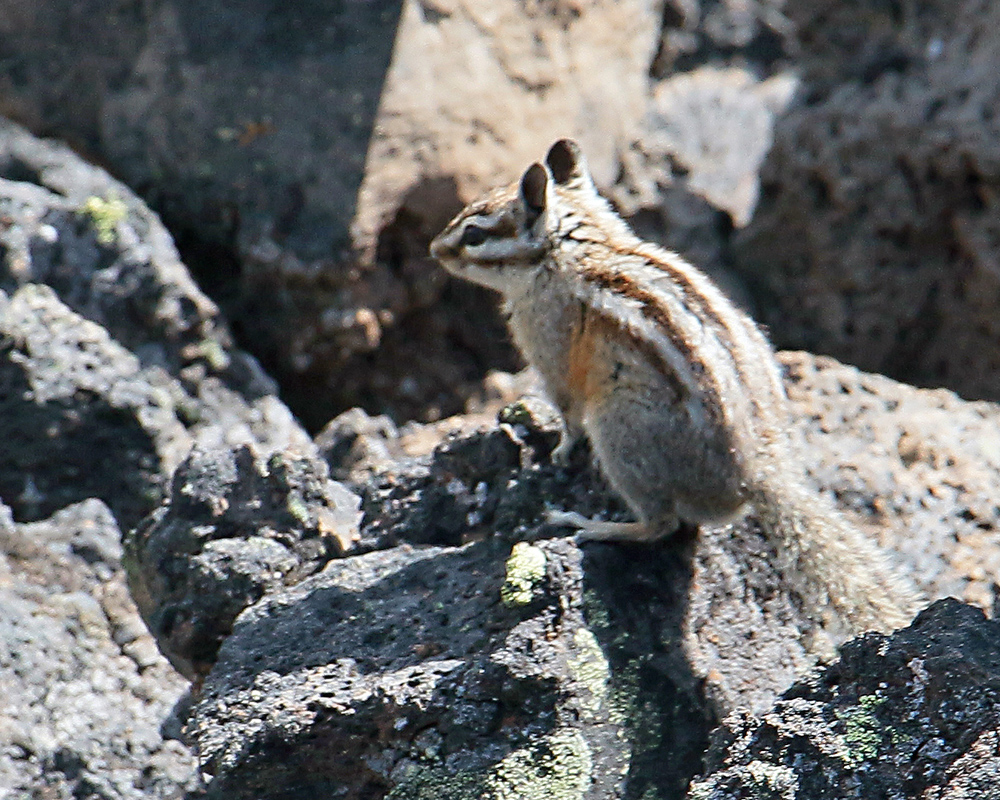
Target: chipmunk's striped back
(676, 388)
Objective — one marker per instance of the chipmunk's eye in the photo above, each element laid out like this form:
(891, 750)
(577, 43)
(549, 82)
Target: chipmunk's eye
(473, 236)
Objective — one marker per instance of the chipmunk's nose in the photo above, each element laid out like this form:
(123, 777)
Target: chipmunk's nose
(443, 247)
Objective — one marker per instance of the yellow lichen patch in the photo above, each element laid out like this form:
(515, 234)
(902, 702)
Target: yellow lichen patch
(525, 571)
(590, 668)
(105, 215)
(556, 767)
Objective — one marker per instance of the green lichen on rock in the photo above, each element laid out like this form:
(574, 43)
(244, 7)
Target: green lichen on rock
(299, 510)
(105, 215)
(557, 767)
(627, 708)
(771, 781)
(435, 783)
(213, 353)
(525, 571)
(515, 413)
(863, 733)
(590, 668)
(762, 780)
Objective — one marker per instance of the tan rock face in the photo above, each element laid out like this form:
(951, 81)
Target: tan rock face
(717, 124)
(920, 467)
(477, 91)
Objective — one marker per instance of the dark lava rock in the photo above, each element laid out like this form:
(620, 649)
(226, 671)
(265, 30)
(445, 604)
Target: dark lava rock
(459, 672)
(84, 689)
(68, 224)
(355, 440)
(474, 668)
(406, 667)
(233, 528)
(79, 416)
(696, 32)
(118, 364)
(912, 715)
(918, 468)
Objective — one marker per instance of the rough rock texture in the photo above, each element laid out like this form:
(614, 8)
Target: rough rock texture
(69, 225)
(108, 376)
(437, 690)
(697, 32)
(250, 160)
(692, 175)
(914, 715)
(715, 127)
(722, 76)
(232, 529)
(445, 663)
(79, 417)
(921, 467)
(113, 369)
(83, 691)
(876, 240)
(358, 446)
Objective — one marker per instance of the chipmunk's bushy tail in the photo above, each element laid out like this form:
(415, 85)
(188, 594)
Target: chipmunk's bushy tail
(831, 562)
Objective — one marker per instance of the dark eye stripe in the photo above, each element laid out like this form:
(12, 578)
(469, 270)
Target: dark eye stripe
(473, 236)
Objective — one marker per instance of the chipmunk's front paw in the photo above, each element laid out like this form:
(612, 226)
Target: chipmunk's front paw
(560, 456)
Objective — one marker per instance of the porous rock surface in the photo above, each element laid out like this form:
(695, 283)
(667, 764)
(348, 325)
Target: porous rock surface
(83, 690)
(876, 238)
(69, 225)
(112, 362)
(920, 468)
(113, 365)
(79, 416)
(915, 714)
(233, 528)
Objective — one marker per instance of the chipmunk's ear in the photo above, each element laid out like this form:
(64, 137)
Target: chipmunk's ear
(567, 164)
(534, 184)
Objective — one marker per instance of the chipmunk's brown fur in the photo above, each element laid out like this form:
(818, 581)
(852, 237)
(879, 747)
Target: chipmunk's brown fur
(677, 389)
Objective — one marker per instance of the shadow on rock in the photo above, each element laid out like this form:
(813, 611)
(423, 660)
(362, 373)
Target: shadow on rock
(395, 667)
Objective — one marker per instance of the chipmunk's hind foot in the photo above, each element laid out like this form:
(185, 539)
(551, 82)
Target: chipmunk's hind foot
(598, 530)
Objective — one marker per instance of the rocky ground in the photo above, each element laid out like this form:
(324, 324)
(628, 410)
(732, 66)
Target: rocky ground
(207, 594)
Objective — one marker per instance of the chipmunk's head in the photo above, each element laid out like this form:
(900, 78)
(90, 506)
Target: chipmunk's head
(507, 234)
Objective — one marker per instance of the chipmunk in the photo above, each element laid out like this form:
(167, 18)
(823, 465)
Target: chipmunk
(677, 390)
